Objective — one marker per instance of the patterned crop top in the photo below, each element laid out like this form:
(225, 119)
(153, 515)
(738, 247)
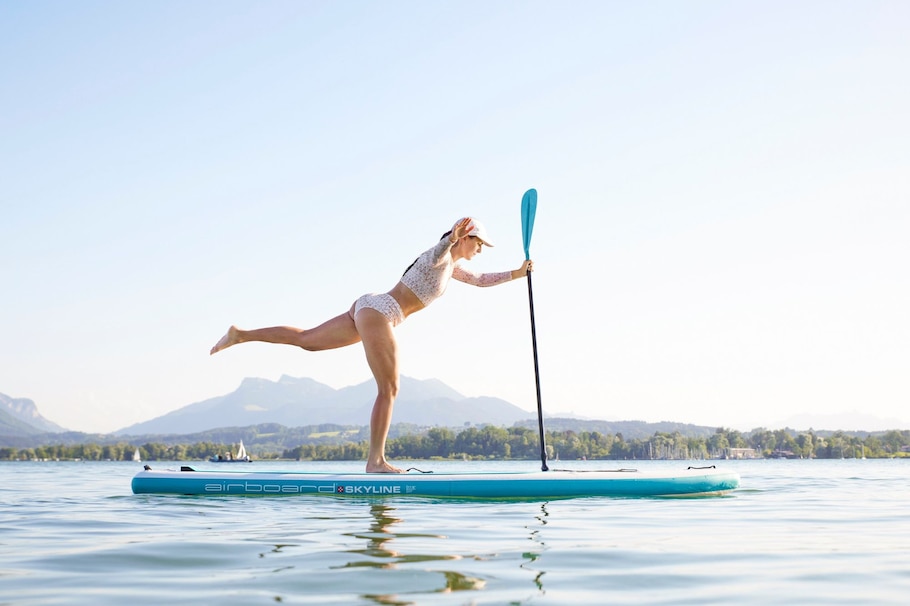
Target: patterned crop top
(430, 274)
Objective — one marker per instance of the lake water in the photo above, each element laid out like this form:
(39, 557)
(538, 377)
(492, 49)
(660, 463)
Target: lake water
(796, 532)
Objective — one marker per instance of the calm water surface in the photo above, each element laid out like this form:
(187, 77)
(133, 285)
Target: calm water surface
(796, 532)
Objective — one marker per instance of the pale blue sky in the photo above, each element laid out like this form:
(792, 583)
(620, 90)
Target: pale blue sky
(721, 235)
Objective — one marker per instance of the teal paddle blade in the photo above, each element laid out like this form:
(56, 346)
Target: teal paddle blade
(528, 211)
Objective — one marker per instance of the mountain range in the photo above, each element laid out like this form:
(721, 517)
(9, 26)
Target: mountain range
(294, 402)
(303, 402)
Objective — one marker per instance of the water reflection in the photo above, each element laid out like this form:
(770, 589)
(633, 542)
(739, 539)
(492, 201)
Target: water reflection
(539, 546)
(384, 550)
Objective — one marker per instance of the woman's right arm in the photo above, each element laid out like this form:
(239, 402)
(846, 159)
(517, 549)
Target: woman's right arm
(445, 244)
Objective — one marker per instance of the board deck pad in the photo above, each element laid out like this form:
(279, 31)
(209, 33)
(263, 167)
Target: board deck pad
(684, 482)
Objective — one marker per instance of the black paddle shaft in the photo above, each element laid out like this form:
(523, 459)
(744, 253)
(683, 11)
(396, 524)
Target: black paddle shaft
(543, 444)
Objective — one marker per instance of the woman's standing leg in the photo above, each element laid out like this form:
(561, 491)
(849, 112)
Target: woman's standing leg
(382, 355)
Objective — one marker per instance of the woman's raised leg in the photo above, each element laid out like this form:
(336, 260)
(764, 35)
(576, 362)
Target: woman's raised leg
(340, 331)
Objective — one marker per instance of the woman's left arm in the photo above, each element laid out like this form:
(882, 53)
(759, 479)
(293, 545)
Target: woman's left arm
(492, 279)
(522, 271)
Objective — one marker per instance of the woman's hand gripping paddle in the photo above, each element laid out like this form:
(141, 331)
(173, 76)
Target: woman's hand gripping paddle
(528, 211)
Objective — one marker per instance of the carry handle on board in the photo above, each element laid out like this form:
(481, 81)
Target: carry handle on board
(528, 212)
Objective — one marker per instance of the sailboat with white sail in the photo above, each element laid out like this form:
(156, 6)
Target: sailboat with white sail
(240, 457)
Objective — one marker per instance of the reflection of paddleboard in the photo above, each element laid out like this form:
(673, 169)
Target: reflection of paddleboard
(693, 481)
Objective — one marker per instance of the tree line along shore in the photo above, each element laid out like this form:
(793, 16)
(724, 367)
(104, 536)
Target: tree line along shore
(513, 443)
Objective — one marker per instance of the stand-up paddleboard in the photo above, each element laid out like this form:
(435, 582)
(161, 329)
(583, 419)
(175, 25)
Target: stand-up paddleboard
(686, 482)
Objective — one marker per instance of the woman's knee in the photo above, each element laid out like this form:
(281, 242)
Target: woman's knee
(388, 388)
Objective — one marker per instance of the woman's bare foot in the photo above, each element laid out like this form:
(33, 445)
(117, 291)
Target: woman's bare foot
(231, 337)
(383, 467)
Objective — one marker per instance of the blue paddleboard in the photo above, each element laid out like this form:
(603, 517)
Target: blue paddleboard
(685, 482)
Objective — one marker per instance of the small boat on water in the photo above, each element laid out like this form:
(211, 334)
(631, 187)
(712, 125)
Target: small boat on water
(136, 457)
(240, 457)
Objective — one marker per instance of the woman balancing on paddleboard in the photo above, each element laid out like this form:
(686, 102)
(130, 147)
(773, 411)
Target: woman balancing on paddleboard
(372, 317)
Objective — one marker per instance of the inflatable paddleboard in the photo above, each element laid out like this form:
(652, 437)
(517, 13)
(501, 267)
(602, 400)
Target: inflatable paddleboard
(685, 482)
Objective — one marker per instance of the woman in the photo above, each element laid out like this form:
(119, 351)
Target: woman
(372, 318)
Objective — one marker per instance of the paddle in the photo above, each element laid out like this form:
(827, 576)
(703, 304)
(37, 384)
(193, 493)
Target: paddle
(528, 211)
